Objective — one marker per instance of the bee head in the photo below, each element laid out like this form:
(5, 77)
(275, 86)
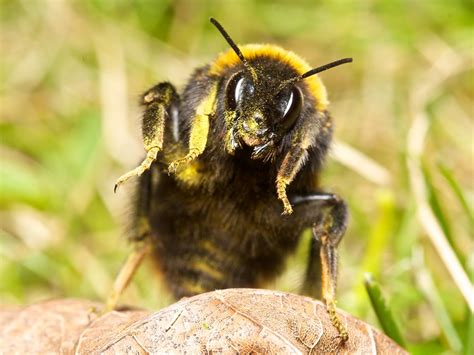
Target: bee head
(263, 100)
(262, 111)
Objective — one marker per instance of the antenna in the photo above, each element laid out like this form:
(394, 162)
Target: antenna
(315, 71)
(234, 47)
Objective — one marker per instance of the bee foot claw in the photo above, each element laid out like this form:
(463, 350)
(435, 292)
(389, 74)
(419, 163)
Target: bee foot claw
(287, 210)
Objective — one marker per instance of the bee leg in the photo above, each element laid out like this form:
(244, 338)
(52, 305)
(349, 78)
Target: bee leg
(158, 101)
(286, 173)
(312, 281)
(199, 130)
(329, 215)
(125, 275)
(140, 234)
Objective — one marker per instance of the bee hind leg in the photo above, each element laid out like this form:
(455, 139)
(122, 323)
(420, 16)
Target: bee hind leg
(328, 216)
(125, 275)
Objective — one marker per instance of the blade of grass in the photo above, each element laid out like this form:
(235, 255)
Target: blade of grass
(432, 196)
(407, 231)
(429, 290)
(426, 217)
(382, 311)
(458, 192)
(469, 341)
(447, 65)
(381, 230)
(469, 347)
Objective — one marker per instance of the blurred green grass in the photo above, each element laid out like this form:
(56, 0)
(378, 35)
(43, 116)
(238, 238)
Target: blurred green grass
(70, 75)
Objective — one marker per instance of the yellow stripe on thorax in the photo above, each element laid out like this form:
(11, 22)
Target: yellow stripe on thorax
(229, 59)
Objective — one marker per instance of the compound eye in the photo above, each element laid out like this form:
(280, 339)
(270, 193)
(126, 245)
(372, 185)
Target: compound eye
(234, 91)
(240, 88)
(292, 110)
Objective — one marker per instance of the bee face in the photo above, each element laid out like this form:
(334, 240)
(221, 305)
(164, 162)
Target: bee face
(262, 110)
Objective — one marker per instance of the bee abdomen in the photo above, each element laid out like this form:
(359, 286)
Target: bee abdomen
(204, 267)
(196, 278)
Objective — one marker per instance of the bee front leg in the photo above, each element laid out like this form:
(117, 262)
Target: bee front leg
(158, 101)
(289, 168)
(199, 130)
(328, 215)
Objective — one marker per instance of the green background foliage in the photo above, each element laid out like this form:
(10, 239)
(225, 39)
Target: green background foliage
(70, 76)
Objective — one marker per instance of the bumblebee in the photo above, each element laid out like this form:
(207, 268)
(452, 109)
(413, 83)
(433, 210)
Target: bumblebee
(230, 179)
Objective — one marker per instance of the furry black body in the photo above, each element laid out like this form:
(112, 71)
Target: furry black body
(223, 226)
(248, 136)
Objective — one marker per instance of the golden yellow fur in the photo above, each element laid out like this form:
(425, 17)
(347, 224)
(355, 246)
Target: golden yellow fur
(228, 59)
